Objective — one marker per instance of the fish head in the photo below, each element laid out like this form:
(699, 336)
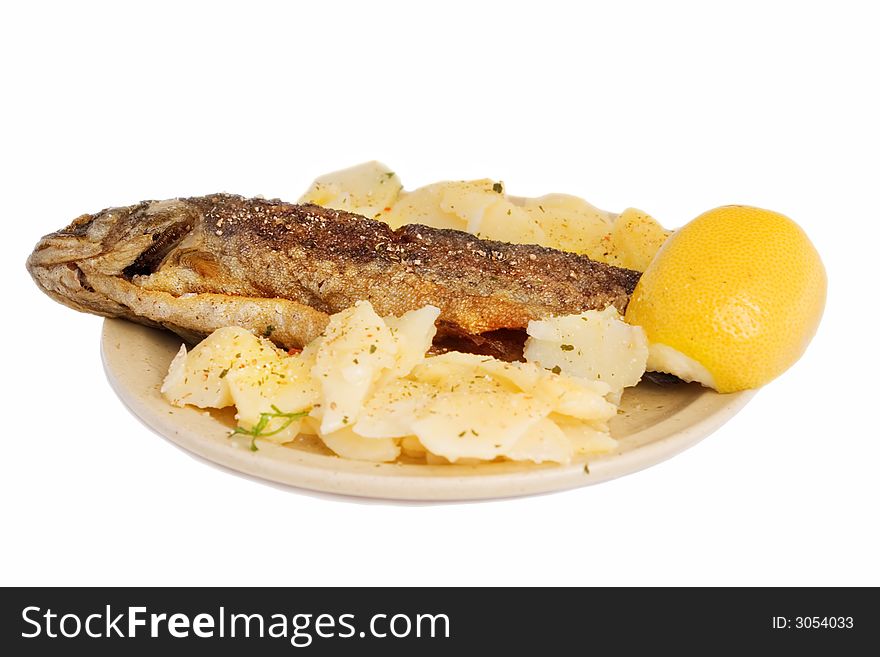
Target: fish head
(125, 242)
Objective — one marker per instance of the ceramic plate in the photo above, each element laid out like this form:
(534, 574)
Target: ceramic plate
(654, 423)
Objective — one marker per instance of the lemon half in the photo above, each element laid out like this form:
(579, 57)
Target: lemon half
(732, 299)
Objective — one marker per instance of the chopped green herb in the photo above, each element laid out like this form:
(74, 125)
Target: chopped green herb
(556, 369)
(259, 429)
(355, 361)
(462, 434)
(224, 373)
(344, 419)
(474, 432)
(390, 174)
(567, 347)
(372, 349)
(497, 187)
(541, 207)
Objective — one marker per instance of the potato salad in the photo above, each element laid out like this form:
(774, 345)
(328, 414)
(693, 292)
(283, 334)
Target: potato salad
(369, 390)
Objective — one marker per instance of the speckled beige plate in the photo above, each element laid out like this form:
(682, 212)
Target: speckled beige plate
(654, 423)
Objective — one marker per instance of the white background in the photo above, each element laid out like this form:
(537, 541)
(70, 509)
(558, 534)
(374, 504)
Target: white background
(674, 108)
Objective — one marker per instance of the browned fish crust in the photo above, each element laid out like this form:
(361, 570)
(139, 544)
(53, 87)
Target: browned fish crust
(329, 259)
(319, 259)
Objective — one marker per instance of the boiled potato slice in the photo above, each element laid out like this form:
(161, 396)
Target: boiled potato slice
(636, 238)
(348, 444)
(365, 189)
(455, 371)
(477, 423)
(576, 397)
(595, 345)
(584, 438)
(199, 377)
(355, 349)
(523, 377)
(438, 370)
(572, 224)
(488, 213)
(469, 199)
(422, 206)
(506, 222)
(543, 441)
(413, 332)
(360, 351)
(274, 388)
(565, 394)
(393, 409)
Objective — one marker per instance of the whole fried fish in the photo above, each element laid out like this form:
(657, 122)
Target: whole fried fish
(193, 265)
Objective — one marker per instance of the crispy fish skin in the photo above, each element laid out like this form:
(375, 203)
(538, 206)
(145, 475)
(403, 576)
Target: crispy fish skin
(196, 264)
